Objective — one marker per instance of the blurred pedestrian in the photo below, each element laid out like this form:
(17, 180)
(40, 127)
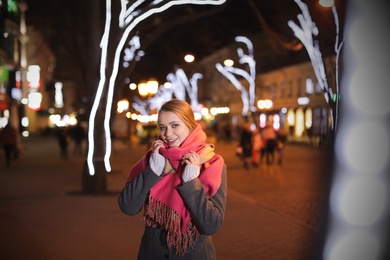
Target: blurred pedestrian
(281, 141)
(182, 184)
(63, 141)
(227, 129)
(257, 147)
(78, 134)
(269, 135)
(8, 139)
(245, 143)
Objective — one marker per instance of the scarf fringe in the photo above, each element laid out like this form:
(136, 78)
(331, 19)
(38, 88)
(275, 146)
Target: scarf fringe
(158, 214)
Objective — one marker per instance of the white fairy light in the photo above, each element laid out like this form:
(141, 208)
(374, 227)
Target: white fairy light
(247, 96)
(305, 33)
(99, 91)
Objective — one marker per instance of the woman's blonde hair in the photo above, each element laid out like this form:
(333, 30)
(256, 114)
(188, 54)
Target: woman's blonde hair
(182, 109)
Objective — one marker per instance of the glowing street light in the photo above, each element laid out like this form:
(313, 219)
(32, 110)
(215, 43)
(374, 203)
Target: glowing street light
(265, 104)
(228, 62)
(122, 105)
(147, 89)
(132, 86)
(189, 58)
(152, 86)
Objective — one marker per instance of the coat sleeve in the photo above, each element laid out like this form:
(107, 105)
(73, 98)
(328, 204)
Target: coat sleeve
(135, 193)
(206, 212)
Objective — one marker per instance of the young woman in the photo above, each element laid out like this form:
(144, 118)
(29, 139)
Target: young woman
(181, 184)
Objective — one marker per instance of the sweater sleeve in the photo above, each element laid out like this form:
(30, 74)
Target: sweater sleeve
(135, 193)
(206, 212)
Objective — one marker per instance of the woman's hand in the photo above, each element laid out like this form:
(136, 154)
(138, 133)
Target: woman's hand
(191, 158)
(192, 169)
(156, 145)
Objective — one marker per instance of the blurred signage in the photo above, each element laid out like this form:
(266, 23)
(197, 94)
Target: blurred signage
(3, 74)
(10, 10)
(33, 77)
(3, 101)
(16, 93)
(34, 100)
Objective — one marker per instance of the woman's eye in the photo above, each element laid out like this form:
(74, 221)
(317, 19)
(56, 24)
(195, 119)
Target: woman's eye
(162, 128)
(175, 125)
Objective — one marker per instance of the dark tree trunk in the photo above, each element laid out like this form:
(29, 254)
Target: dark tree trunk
(97, 183)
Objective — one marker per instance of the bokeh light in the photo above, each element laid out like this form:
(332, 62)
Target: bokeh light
(361, 152)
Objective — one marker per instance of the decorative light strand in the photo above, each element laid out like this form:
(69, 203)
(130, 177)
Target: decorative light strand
(247, 97)
(128, 18)
(305, 34)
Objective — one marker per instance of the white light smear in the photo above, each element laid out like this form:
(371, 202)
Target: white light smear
(247, 96)
(99, 91)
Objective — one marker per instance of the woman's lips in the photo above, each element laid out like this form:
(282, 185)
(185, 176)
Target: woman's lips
(170, 142)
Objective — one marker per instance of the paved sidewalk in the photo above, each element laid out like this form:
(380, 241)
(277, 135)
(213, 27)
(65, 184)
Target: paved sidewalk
(272, 211)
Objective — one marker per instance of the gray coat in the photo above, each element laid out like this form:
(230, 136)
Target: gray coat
(207, 214)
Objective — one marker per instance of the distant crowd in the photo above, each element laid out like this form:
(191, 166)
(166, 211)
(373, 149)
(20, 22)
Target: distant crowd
(259, 145)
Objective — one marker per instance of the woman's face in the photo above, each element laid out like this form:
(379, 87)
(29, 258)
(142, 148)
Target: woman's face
(173, 130)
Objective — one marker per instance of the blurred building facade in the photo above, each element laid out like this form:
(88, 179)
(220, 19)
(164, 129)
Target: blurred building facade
(26, 64)
(288, 81)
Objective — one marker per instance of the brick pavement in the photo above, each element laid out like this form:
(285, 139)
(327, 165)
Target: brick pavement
(272, 211)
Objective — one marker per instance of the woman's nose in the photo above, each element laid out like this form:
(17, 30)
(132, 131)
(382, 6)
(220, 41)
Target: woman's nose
(167, 131)
(164, 132)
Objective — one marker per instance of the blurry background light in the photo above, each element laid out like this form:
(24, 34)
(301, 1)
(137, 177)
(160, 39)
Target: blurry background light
(24, 121)
(152, 86)
(133, 86)
(134, 116)
(228, 62)
(303, 101)
(198, 116)
(34, 100)
(369, 91)
(189, 58)
(364, 34)
(204, 111)
(346, 247)
(213, 111)
(326, 3)
(371, 196)
(143, 89)
(364, 155)
(264, 104)
(122, 105)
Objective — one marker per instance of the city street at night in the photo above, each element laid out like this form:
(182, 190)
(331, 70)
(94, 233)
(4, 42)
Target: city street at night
(87, 87)
(273, 211)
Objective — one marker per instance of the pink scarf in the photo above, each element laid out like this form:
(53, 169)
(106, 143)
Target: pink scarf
(165, 207)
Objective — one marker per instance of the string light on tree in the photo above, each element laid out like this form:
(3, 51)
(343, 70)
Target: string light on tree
(129, 18)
